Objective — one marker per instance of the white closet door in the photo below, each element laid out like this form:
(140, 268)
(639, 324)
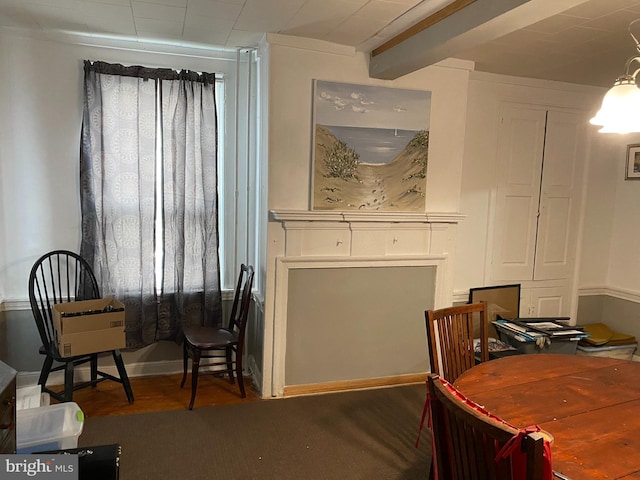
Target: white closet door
(549, 302)
(520, 154)
(560, 194)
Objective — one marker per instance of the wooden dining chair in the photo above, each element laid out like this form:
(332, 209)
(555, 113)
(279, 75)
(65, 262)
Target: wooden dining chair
(469, 444)
(226, 343)
(450, 336)
(63, 276)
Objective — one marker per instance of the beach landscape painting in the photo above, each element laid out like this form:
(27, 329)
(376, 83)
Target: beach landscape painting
(371, 147)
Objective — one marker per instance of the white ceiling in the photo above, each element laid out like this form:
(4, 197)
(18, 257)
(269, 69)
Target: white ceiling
(214, 22)
(586, 44)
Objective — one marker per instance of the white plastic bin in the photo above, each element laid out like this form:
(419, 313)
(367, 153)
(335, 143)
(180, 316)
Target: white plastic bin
(624, 352)
(53, 427)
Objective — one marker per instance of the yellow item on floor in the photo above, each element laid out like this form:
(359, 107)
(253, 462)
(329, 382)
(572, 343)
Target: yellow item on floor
(621, 339)
(600, 334)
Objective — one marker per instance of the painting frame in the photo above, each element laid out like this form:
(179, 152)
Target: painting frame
(370, 148)
(632, 170)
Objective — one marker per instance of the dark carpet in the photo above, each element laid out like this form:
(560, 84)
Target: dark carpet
(358, 435)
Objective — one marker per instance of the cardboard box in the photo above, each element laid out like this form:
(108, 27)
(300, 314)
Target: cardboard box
(89, 326)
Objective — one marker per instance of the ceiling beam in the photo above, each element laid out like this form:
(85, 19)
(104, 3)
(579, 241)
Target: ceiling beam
(423, 24)
(475, 23)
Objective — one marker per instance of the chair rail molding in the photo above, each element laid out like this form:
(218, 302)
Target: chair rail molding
(616, 292)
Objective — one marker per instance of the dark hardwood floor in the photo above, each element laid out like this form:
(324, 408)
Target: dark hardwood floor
(159, 393)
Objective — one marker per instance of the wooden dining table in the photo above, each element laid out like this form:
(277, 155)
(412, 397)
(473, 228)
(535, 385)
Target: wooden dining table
(589, 405)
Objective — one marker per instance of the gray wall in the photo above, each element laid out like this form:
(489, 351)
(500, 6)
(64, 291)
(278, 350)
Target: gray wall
(19, 341)
(620, 315)
(356, 323)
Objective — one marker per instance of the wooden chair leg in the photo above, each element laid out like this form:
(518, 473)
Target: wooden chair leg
(229, 355)
(195, 365)
(239, 375)
(185, 361)
(44, 372)
(94, 370)
(68, 382)
(122, 372)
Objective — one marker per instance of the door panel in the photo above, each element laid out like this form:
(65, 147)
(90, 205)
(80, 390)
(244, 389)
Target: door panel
(562, 173)
(520, 153)
(550, 302)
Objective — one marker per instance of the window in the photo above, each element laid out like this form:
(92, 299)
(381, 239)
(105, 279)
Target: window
(149, 195)
(151, 217)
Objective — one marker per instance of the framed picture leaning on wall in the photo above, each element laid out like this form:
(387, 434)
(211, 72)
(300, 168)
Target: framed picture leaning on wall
(503, 301)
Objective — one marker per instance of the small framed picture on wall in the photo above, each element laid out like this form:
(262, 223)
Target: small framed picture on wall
(633, 162)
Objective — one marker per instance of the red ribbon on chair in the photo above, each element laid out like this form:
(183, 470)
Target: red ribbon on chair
(426, 409)
(513, 449)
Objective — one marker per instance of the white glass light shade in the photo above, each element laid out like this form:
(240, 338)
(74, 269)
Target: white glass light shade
(620, 110)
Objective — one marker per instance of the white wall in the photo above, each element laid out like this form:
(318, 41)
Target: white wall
(610, 262)
(606, 174)
(40, 121)
(40, 118)
(624, 257)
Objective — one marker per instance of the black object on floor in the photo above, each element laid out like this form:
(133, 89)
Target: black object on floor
(101, 462)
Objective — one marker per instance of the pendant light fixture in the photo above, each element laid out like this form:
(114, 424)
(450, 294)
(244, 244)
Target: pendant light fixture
(620, 110)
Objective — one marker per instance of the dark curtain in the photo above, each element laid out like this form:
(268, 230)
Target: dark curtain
(148, 188)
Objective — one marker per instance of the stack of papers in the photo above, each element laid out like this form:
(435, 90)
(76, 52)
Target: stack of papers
(555, 329)
(531, 330)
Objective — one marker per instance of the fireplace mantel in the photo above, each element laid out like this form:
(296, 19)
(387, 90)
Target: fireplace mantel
(284, 216)
(356, 234)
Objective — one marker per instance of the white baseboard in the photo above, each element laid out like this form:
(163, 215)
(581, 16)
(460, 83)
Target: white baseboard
(145, 369)
(83, 373)
(7, 305)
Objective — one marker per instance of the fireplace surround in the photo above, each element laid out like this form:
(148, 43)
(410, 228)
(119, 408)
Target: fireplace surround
(404, 257)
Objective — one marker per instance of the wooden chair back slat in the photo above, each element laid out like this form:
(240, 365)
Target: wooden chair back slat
(450, 335)
(57, 277)
(466, 441)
